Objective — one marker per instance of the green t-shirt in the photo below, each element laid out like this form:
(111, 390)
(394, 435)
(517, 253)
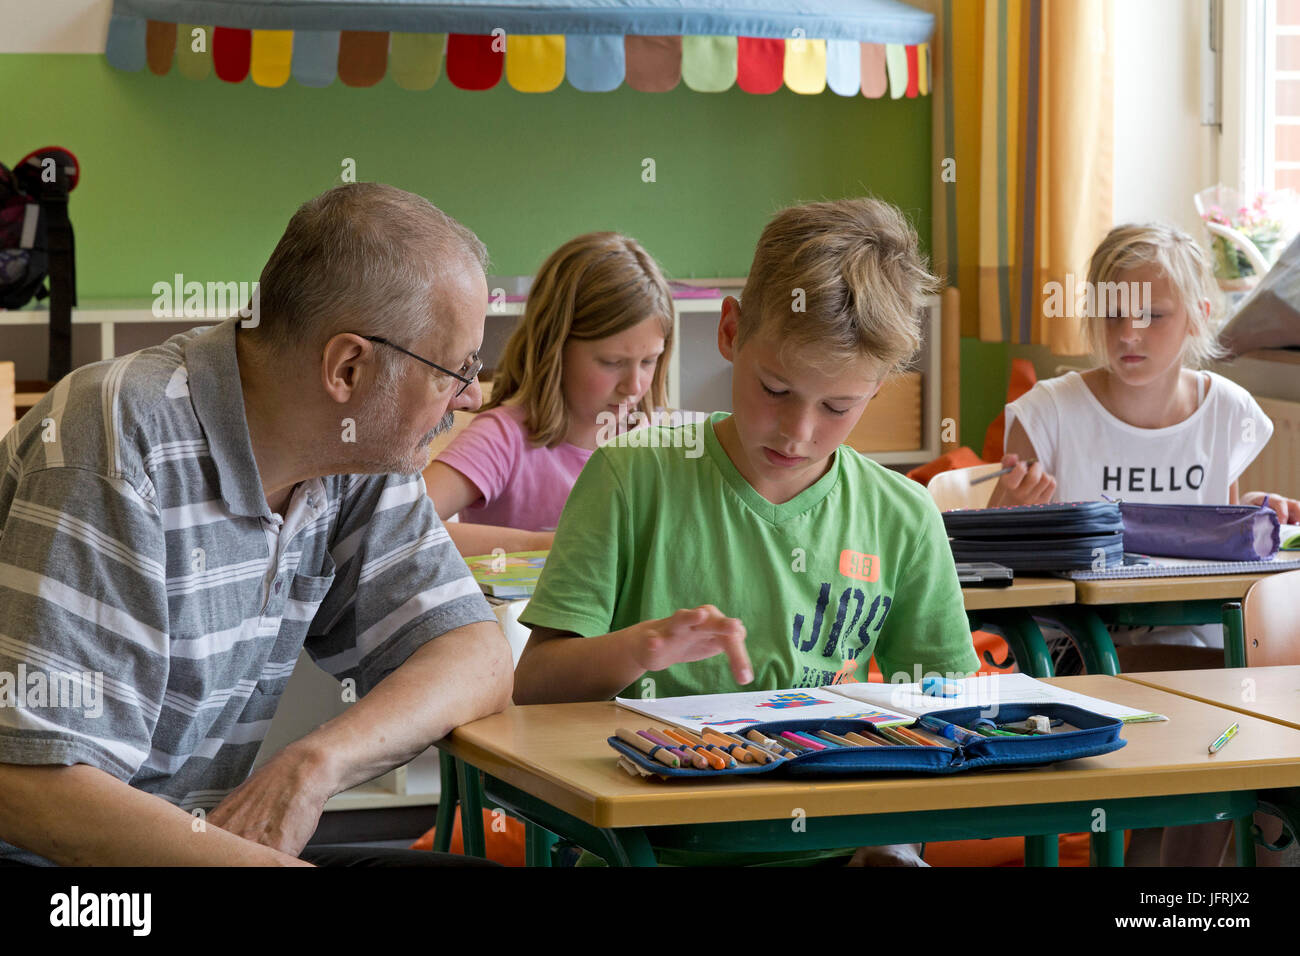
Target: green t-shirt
(856, 564)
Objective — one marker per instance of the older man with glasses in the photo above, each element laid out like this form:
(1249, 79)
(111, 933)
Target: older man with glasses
(178, 523)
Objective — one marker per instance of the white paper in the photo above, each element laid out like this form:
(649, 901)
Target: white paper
(987, 691)
(734, 712)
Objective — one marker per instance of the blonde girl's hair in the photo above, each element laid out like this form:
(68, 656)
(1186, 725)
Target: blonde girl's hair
(1183, 262)
(840, 279)
(594, 286)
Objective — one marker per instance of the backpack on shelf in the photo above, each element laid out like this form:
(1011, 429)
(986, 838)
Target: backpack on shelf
(36, 242)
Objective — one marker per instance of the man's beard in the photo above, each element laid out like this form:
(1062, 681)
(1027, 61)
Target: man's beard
(381, 442)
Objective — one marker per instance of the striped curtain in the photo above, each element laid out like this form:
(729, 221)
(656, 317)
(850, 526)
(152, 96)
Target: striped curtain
(1023, 153)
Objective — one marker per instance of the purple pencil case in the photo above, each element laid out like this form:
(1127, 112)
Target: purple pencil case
(1207, 532)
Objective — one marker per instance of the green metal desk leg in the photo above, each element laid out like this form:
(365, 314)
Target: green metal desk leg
(1042, 850)
(447, 801)
(1234, 635)
(1107, 848)
(1243, 829)
(471, 810)
(1091, 635)
(540, 842)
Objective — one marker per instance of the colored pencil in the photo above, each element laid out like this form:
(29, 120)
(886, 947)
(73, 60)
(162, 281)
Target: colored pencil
(836, 738)
(859, 739)
(647, 747)
(699, 742)
(716, 762)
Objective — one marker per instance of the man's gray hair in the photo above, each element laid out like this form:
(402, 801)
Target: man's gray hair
(362, 257)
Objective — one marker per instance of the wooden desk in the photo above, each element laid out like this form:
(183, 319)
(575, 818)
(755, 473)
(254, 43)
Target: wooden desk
(1010, 612)
(1218, 587)
(1176, 601)
(1025, 592)
(1270, 693)
(550, 764)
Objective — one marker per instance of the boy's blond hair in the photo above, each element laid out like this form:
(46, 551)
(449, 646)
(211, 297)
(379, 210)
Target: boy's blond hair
(843, 279)
(594, 286)
(1183, 262)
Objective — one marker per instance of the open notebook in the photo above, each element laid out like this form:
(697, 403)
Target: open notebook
(1144, 566)
(885, 705)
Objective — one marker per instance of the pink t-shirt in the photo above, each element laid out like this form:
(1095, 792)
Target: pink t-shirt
(523, 486)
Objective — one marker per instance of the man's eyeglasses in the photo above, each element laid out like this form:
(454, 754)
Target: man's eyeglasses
(475, 363)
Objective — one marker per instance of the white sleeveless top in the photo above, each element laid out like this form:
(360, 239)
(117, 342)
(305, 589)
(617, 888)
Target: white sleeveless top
(1092, 453)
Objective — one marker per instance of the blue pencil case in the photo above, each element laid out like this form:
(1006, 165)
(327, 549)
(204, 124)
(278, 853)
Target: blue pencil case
(1051, 537)
(1083, 734)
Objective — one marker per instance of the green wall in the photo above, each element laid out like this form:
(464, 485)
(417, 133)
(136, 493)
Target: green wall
(200, 177)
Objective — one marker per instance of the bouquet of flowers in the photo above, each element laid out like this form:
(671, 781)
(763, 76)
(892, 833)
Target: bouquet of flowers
(1268, 221)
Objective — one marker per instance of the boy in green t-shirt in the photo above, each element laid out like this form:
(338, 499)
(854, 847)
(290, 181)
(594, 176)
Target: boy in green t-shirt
(671, 538)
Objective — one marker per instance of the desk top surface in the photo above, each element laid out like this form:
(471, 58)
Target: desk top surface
(557, 752)
(1272, 693)
(1025, 592)
(1199, 587)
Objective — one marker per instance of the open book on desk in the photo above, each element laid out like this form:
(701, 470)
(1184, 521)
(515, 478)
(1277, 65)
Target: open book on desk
(885, 705)
(1146, 566)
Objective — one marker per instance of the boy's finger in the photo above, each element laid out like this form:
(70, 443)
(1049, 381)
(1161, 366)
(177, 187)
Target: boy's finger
(733, 645)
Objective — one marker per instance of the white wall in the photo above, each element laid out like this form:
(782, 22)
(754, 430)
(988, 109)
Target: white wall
(54, 26)
(1163, 155)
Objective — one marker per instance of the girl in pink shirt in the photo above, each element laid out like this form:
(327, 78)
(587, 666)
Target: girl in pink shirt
(593, 343)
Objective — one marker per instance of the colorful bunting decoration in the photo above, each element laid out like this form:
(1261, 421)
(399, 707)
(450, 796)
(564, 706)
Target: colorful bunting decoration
(530, 64)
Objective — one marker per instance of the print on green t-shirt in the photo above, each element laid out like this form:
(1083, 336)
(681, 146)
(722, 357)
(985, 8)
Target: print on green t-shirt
(856, 564)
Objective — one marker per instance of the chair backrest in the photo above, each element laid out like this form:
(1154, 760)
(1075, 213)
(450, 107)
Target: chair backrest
(1271, 617)
(953, 489)
(7, 400)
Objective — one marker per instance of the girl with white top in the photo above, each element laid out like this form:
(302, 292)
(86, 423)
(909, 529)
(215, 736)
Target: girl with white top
(1146, 425)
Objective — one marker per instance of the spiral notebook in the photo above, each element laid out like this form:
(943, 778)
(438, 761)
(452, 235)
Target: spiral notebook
(1143, 566)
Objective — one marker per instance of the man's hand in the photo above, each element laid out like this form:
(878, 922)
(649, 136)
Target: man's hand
(280, 805)
(694, 635)
(1023, 485)
(1288, 509)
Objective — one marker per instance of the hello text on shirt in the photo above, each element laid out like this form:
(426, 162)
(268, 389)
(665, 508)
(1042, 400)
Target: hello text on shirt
(1153, 478)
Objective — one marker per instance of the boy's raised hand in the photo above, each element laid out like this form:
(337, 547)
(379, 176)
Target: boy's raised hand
(695, 634)
(1022, 485)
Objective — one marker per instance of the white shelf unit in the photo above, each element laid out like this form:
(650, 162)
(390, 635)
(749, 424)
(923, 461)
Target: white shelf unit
(697, 375)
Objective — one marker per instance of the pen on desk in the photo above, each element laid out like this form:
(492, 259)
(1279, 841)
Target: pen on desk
(1004, 471)
(952, 731)
(1224, 738)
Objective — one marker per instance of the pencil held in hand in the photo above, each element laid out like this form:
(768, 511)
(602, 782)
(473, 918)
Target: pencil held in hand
(1005, 471)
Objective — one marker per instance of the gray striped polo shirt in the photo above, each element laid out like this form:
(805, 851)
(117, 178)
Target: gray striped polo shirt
(151, 604)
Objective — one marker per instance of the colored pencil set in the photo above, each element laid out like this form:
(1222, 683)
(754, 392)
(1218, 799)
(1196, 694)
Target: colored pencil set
(707, 750)
(711, 749)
